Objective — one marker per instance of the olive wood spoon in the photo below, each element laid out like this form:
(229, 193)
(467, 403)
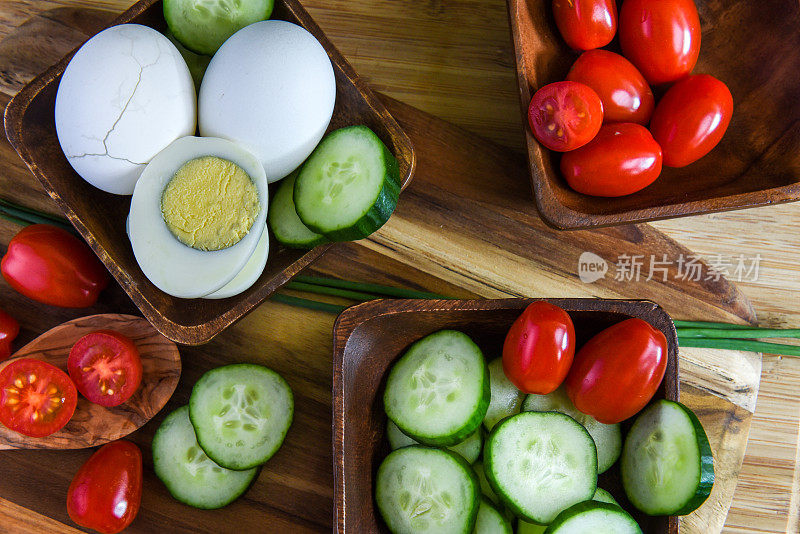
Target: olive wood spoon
(93, 424)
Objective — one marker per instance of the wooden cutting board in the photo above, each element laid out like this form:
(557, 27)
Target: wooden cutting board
(465, 227)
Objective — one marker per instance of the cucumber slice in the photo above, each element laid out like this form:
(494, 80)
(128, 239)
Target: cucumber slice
(486, 488)
(426, 490)
(349, 186)
(469, 449)
(287, 227)
(595, 517)
(540, 464)
(506, 399)
(438, 391)
(667, 466)
(601, 495)
(490, 520)
(241, 414)
(607, 438)
(523, 527)
(190, 476)
(203, 25)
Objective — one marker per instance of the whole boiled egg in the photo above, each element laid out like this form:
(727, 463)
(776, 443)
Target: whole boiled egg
(125, 95)
(197, 217)
(271, 88)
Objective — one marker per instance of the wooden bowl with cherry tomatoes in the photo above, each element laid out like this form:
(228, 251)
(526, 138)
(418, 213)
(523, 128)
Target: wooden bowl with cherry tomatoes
(371, 337)
(706, 124)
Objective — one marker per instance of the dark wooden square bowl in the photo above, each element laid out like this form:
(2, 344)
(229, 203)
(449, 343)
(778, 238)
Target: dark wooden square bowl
(100, 217)
(370, 337)
(754, 47)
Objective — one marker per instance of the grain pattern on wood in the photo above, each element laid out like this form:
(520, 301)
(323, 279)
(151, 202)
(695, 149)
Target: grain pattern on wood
(368, 338)
(754, 165)
(467, 219)
(92, 424)
(100, 217)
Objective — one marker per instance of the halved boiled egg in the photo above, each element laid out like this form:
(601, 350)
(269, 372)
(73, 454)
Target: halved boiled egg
(197, 215)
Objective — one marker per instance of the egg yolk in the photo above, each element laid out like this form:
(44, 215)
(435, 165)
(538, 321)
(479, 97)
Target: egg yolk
(210, 204)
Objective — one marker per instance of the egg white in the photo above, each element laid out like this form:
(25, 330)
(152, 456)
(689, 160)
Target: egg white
(249, 274)
(175, 268)
(271, 88)
(125, 95)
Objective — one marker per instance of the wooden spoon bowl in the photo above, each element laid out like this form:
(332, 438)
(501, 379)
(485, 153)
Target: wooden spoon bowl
(93, 424)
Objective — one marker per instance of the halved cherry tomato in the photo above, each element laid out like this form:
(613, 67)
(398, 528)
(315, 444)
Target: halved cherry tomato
(621, 160)
(36, 398)
(660, 37)
(107, 490)
(538, 348)
(586, 24)
(622, 89)
(9, 329)
(691, 119)
(106, 367)
(565, 115)
(617, 372)
(52, 266)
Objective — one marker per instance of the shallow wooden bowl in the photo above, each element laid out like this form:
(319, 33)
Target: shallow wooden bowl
(100, 217)
(754, 47)
(370, 337)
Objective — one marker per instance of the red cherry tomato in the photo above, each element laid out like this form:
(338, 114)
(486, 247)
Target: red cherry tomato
(660, 37)
(107, 490)
(586, 24)
(621, 160)
(538, 349)
(9, 329)
(106, 367)
(36, 398)
(617, 372)
(565, 115)
(691, 119)
(52, 266)
(622, 89)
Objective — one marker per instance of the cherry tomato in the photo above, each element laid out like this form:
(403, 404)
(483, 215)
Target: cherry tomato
(106, 367)
(565, 115)
(660, 37)
(36, 398)
(586, 24)
(107, 490)
(9, 328)
(617, 372)
(538, 349)
(52, 266)
(621, 160)
(691, 119)
(622, 89)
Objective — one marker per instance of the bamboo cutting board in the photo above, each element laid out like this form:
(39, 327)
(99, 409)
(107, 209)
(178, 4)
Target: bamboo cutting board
(465, 227)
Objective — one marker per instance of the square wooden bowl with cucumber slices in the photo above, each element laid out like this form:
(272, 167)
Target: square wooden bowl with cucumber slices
(370, 338)
(100, 217)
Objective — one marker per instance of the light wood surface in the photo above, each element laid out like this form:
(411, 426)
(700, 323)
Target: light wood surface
(453, 59)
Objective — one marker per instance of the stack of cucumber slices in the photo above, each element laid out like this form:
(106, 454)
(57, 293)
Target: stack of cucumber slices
(346, 189)
(538, 468)
(209, 452)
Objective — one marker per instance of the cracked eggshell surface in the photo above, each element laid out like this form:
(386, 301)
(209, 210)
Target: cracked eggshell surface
(125, 95)
(175, 268)
(271, 88)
